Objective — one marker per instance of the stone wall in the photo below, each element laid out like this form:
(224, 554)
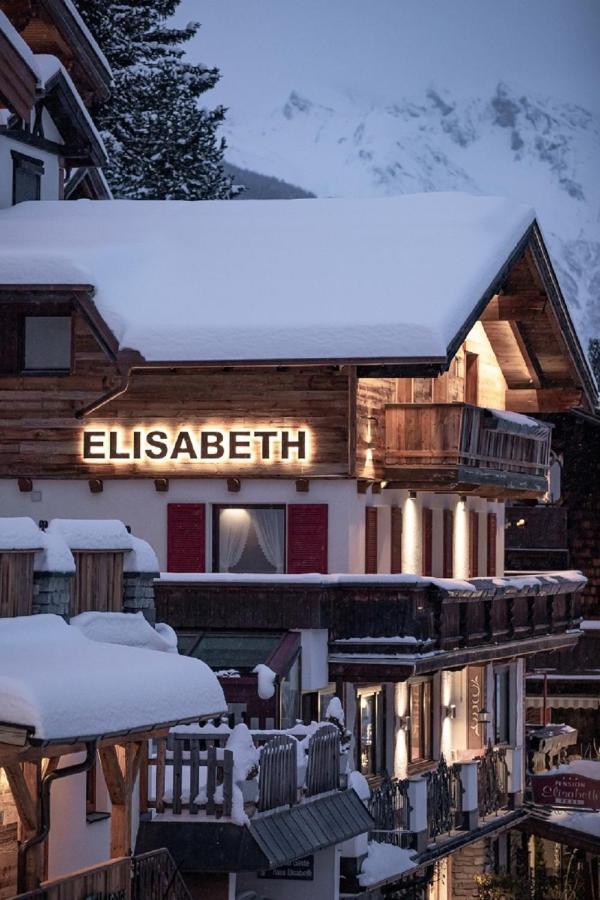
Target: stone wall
(138, 593)
(52, 593)
(465, 865)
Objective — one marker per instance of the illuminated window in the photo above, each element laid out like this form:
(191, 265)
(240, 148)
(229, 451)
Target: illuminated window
(249, 539)
(420, 706)
(502, 706)
(370, 749)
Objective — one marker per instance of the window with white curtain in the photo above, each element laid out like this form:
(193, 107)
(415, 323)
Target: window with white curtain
(249, 539)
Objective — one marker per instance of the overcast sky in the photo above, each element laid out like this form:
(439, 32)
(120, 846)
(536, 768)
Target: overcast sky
(385, 49)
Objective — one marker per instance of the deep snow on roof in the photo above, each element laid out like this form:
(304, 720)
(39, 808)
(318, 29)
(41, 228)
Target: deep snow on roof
(55, 680)
(339, 279)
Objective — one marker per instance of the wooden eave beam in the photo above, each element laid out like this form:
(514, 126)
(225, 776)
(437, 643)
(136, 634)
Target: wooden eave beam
(25, 803)
(530, 359)
(526, 306)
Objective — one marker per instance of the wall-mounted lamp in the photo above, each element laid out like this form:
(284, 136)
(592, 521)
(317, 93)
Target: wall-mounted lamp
(463, 498)
(404, 722)
(450, 711)
(412, 495)
(483, 716)
(43, 524)
(520, 523)
(233, 485)
(384, 484)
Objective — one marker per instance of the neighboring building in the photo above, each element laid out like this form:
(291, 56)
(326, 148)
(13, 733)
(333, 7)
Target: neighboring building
(46, 78)
(315, 412)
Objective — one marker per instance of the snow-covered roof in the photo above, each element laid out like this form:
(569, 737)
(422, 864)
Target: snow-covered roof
(87, 34)
(17, 42)
(324, 279)
(92, 534)
(56, 681)
(50, 69)
(20, 533)
(131, 629)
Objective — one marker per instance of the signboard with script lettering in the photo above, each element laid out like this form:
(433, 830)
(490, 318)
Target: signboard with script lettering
(475, 703)
(298, 870)
(568, 788)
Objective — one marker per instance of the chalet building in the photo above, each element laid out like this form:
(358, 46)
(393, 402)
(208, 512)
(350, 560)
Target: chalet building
(316, 413)
(50, 68)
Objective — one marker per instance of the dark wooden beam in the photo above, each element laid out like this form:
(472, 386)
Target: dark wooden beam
(531, 361)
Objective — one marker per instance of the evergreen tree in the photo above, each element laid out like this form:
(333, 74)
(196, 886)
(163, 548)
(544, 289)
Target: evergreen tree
(162, 143)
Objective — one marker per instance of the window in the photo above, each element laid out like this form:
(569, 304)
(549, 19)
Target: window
(290, 696)
(370, 749)
(420, 707)
(249, 539)
(27, 177)
(501, 706)
(47, 344)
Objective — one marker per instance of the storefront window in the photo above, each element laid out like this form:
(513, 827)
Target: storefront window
(420, 711)
(371, 727)
(249, 539)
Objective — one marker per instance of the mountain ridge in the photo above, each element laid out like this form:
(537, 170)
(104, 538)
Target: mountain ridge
(539, 151)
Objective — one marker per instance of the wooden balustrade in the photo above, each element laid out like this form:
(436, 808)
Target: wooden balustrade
(179, 787)
(433, 443)
(492, 781)
(444, 799)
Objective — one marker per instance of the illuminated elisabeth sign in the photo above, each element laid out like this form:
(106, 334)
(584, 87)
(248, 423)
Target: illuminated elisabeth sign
(190, 445)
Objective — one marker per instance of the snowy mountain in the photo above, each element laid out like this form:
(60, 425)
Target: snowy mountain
(534, 149)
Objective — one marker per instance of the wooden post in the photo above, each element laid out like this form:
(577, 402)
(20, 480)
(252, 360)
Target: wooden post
(24, 782)
(120, 764)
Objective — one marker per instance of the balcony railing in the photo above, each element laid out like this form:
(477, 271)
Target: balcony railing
(444, 799)
(465, 446)
(194, 775)
(492, 781)
(149, 876)
(390, 808)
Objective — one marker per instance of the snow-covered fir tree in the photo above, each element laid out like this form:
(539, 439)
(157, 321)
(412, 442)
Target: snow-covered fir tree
(163, 144)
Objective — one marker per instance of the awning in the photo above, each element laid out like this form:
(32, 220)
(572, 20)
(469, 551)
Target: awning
(301, 830)
(565, 702)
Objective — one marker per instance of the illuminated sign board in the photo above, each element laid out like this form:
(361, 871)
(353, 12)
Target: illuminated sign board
(193, 445)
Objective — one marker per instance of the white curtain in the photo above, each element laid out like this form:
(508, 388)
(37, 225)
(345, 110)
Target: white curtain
(269, 530)
(234, 525)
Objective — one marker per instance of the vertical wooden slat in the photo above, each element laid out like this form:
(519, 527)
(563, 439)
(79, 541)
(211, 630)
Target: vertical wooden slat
(371, 540)
(211, 780)
(227, 782)
(396, 539)
(492, 530)
(177, 746)
(427, 541)
(194, 774)
(473, 544)
(448, 562)
(161, 763)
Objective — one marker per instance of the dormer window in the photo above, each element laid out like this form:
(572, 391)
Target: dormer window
(27, 177)
(47, 344)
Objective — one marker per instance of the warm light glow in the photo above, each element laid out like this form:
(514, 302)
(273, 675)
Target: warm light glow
(160, 444)
(461, 539)
(401, 743)
(411, 538)
(446, 697)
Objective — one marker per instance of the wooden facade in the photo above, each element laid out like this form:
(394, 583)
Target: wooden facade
(16, 582)
(500, 364)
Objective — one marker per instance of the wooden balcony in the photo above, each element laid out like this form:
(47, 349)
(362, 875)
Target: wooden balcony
(430, 624)
(459, 447)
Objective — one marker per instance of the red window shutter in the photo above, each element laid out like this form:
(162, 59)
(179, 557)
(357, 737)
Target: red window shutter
(371, 540)
(396, 539)
(427, 541)
(473, 544)
(186, 528)
(307, 538)
(492, 529)
(448, 570)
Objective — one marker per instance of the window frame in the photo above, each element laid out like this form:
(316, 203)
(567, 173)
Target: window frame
(31, 164)
(502, 672)
(43, 314)
(378, 754)
(427, 757)
(216, 509)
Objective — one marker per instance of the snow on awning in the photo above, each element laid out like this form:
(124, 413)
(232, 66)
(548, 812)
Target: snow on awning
(515, 423)
(66, 687)
(92, 534)
(365, 280)
(19, 533)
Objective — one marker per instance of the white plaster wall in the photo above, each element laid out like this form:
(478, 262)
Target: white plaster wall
(73, 842)
(315, 669)
(325, 885)
(50, 179)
